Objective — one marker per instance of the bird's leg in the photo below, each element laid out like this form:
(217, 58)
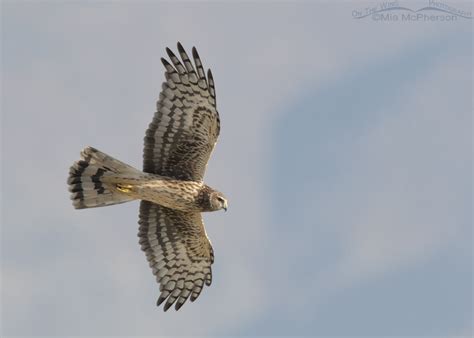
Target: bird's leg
(125, 188)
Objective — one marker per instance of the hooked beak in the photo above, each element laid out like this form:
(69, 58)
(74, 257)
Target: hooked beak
(225, 206)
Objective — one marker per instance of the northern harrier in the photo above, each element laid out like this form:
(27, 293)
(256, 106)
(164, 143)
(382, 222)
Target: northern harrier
(178, 144)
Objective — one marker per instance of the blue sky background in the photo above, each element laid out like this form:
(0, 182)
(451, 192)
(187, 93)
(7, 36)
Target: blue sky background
(346, 154)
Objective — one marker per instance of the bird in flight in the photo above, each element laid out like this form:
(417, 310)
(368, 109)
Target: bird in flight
(178, 143)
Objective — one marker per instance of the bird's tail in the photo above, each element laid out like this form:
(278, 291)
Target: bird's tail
(91, 180)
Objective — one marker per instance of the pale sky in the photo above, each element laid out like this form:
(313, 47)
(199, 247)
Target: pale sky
(345, 152)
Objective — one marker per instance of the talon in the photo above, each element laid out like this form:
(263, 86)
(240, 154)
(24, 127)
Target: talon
(124, 187)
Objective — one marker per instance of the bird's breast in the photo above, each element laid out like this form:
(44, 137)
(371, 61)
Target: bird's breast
(173, 194)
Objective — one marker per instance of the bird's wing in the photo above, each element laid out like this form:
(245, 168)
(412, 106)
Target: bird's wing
(178, 251)
(185, 128)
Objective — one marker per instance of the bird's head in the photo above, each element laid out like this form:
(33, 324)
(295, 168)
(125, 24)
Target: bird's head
(218, 201)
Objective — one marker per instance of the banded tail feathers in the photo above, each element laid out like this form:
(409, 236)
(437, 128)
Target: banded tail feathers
(91, 180)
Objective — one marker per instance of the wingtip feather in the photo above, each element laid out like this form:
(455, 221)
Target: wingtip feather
(160, 300)
(164, 62)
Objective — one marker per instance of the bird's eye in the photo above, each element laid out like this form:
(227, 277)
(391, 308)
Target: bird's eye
(220, 199)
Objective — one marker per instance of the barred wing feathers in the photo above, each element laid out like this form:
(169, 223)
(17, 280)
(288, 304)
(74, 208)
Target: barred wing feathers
(178, 251)
(185, 128)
